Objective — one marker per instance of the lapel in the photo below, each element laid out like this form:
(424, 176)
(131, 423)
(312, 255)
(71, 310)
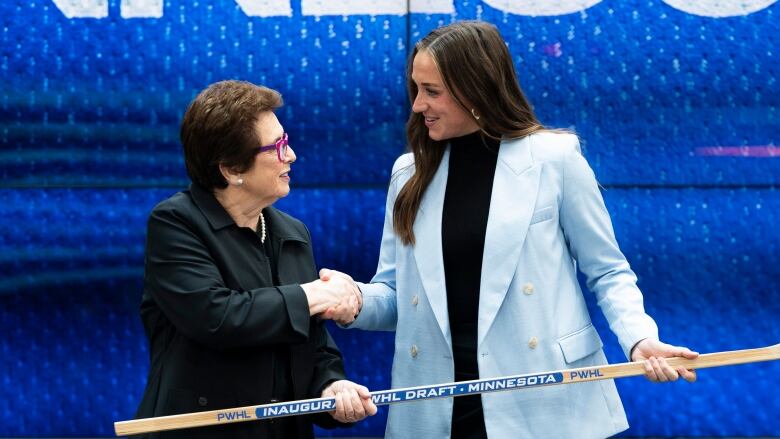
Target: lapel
(428, 249)
(515, 188)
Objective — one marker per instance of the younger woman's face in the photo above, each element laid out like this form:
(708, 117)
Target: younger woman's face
(444, 118)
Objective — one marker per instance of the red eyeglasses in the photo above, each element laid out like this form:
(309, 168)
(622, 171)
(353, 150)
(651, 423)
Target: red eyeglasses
(280, 146)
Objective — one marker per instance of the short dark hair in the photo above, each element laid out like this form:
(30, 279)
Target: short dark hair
(218, 128)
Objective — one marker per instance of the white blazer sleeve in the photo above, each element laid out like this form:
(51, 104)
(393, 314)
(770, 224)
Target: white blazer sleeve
(380, 312)
(591, 240)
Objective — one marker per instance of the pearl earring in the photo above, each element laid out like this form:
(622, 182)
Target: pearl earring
(474, 113)
(239, 182)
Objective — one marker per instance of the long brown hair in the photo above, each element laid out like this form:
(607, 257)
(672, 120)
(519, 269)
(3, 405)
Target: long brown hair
(476, 68)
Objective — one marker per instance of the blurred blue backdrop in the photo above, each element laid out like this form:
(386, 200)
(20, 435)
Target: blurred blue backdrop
(677, 104)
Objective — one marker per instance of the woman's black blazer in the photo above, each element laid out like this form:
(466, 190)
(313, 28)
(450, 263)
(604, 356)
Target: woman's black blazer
(216, 322)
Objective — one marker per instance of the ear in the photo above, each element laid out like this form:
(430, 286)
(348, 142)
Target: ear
(230, 174)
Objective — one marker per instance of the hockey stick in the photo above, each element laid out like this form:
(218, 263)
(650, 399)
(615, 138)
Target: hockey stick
(384, 397)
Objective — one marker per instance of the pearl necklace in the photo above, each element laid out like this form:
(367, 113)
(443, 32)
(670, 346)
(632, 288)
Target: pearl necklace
(262, 228)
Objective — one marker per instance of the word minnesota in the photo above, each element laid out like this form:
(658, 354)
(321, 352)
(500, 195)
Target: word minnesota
(511, 383)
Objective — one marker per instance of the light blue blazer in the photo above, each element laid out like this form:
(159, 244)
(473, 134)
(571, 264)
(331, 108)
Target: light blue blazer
(546, 219)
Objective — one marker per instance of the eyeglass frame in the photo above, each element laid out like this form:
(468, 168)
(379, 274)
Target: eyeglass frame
(280, 145)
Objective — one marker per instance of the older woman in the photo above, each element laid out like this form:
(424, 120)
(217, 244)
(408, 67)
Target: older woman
(231, 292)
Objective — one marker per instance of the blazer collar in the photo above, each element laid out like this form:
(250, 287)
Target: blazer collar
(208, 204)
(280, 226)
(428, 247)
(512, 204)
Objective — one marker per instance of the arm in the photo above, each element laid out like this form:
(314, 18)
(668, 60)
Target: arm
(379, 311)
(591, 240)
(592, 243)
(353, 401)
(185, 282)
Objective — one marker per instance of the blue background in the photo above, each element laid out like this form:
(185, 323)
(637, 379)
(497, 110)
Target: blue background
(89, 113)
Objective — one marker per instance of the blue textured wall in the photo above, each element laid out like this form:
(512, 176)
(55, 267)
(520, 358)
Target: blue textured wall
(679, 113)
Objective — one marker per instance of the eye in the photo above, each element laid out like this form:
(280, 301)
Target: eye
(432, 93)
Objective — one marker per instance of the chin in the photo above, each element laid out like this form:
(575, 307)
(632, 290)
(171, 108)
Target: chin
(434, 136)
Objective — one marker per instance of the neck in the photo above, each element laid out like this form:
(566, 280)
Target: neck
(244, 209)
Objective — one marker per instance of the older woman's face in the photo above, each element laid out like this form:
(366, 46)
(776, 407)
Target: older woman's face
(269, 178)
(444, 118)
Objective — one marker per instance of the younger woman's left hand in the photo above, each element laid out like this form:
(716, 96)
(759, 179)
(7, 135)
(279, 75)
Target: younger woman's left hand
(654, 354)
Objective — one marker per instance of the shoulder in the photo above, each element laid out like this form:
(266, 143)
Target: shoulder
(553, 146)
(288, 219)
(403, 163)
(403, 169)
(288, 224)
(179, 203)
(176, 213)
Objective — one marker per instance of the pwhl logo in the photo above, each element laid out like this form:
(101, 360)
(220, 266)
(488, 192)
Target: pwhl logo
(283, 8)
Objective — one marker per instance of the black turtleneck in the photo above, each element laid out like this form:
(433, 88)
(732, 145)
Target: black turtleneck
(472, 167)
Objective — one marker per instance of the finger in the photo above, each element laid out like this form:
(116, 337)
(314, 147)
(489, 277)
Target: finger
(356, 306)
(658, 369)
(325, 274)
(349, 409)
(369, 406)
(328, 313)
(365, 398)
(368, 403)
(345, 317)
(362, 391)
(679, 351)
(668, 371)
(687, 353)
(357, 405)
(341, 274)
(340, 409)
(688, 375)
(649, 371)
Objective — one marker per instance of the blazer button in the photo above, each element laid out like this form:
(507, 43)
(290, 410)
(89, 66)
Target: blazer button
(533, 342)
(414, 351)
(415, 300)
(528, 288)
(202, 401)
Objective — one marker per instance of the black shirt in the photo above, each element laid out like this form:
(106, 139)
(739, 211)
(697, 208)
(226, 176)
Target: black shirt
(472, 166)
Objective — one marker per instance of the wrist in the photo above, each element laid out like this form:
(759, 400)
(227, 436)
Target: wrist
(633, 349)
(360, 308)
(313, 299)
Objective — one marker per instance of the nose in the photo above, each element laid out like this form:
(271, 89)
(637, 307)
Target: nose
(289, 156)
(419, 105)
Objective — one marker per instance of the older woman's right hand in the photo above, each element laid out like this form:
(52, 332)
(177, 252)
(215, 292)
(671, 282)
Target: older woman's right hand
(338, 295)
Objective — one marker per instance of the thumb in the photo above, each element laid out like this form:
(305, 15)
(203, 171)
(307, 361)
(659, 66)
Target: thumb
(363, 392)
(687, 353)
(325, 274)
(329, 313)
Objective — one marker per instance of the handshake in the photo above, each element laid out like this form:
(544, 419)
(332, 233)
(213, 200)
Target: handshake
(334, 296)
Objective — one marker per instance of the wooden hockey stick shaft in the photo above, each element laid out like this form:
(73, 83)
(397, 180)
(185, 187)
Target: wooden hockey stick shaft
(384, 397)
